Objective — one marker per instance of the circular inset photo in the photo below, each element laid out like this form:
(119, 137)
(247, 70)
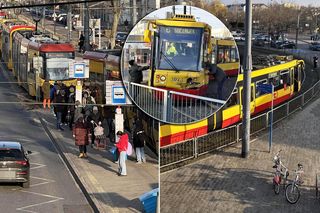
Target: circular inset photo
(180, 64)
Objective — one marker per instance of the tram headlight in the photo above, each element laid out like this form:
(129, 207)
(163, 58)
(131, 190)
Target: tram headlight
(163, 78)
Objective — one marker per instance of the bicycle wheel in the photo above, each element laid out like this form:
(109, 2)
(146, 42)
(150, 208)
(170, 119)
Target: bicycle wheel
(292, 193)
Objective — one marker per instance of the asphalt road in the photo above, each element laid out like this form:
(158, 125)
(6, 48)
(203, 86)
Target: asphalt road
(52, 188)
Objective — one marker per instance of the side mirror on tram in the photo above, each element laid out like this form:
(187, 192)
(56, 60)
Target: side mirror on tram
(147, 36)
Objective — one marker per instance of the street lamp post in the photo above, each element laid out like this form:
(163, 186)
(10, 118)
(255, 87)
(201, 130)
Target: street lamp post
(297, 29)
(247, 82)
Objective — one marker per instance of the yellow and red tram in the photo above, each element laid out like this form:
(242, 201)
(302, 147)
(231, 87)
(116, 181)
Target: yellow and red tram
(9, 29)
(225, 55)
(181, 54)
(286, 79)
(34, 57)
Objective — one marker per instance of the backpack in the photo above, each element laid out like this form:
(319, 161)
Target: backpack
(129, 149)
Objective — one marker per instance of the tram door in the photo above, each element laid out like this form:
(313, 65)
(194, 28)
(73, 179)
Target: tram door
(297, 78)
(252, 100)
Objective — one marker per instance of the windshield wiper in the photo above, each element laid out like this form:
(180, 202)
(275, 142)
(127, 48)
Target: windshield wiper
(168, 61)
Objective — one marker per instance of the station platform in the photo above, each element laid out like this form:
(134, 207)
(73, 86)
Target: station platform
(98, 173)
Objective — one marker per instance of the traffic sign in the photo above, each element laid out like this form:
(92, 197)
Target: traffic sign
(79, 69)
(116, 93)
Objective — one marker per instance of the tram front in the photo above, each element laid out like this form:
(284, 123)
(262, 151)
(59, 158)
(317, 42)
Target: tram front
(181, 49)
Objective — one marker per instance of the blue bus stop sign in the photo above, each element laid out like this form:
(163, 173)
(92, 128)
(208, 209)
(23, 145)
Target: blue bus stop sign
(118, 95)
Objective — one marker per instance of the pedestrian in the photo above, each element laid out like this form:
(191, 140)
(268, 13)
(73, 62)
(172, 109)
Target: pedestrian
(139, 140)
(219, 77)
(95, 118)
(78, 111)
(65, 107)
(81, 42)
(71, 107)
(135, 72)
(46, 94)
(122, 147)
(53, 93)
(60, 101)
(315, 62)
(80, 134)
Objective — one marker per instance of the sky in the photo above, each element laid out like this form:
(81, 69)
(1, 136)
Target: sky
(301, 2)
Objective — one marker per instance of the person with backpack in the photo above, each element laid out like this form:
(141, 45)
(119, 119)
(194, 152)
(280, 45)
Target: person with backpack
(122, 147)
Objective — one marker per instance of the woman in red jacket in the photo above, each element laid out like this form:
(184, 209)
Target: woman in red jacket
(80, 133)
(122, 146)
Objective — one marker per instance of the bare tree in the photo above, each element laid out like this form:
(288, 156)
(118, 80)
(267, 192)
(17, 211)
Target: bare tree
(218, 9)
(115, 4)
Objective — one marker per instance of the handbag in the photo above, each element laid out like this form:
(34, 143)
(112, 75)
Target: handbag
(129, 149)
(98, 131)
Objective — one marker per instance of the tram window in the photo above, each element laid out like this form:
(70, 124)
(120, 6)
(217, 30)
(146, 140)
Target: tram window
(285, 77)
(220, 55)
(234, 55)
(233, 100)
(277, 82)
(145, 58)
(258, 92)
(227, 54)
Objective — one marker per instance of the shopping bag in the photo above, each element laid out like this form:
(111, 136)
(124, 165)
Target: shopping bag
(129, 149)
(113, 150)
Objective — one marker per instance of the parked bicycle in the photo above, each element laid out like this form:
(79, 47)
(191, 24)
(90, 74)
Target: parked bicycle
(292, 189)
(280, 174)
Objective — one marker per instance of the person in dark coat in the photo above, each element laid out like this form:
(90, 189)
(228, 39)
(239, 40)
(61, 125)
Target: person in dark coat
(81, 42)
(80, 134)
(219, 77)
(46, 94)
(71, 107)
(139, 140)
(53, 93)
(60, 101)
(135, 72)
(65, 107)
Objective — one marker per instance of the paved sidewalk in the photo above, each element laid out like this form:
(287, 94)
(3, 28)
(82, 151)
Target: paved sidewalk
(98, 173)
(225, 182)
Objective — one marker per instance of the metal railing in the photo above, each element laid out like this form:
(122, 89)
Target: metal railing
(176, 153)
(171, 106)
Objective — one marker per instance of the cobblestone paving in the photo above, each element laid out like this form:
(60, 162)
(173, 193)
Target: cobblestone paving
(225, 182)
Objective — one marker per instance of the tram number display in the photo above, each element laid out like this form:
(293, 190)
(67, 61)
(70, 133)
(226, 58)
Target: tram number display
(176, 79)
(180, 30)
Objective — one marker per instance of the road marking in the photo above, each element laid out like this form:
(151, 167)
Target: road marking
(38, 204)
(39, 165)
(47, 181)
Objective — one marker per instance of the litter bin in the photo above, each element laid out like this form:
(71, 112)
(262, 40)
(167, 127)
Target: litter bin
(149, 201)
